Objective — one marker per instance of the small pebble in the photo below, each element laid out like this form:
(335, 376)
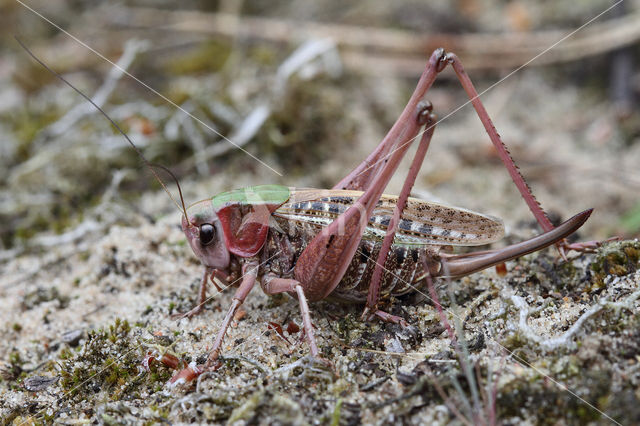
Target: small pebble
(38, 383)
(72, 337)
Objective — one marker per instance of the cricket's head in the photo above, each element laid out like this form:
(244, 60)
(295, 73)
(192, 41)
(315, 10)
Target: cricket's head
(204, 233)
(235, 223)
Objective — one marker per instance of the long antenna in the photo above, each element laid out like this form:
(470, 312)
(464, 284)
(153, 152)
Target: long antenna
(175, 179)
(146, 162)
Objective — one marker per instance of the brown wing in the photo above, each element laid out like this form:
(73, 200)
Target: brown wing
(422, 222)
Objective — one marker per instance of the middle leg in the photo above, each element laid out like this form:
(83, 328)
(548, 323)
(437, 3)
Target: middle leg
(209, 274)
(275, 285)
(249, 274)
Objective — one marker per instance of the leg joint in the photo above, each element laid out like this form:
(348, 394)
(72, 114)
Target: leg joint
(424, 113)
(439, 58)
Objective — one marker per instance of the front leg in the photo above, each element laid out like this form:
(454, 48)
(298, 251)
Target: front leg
(209, 274)
(249, 274)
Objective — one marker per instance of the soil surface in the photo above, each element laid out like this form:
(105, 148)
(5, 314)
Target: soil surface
(93, 263)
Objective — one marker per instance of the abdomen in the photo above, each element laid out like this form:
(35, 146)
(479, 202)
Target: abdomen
(423, 228)
(402, 269)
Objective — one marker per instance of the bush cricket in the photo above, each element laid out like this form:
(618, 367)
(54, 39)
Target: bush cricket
(352, 243)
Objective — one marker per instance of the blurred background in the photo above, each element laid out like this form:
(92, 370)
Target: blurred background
(307, 89)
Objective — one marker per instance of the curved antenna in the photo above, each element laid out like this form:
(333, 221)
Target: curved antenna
(168, 171)
(146, 162)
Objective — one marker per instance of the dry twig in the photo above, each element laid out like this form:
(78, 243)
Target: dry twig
(371, 49)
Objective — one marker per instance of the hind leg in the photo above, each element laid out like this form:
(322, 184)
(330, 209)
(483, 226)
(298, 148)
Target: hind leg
(371, 307)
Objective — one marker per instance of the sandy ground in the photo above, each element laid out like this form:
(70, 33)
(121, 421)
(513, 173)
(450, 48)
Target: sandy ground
(86, 299)
(544, 325)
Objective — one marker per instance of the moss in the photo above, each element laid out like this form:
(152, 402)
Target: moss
(160, 412)
(514, 341)
(335, 418)
(353, 331)
(247, 410)
(14, 358)
(27, 125)
(275, 406)
(624, 406)
(65, 354)
(25, 233)
(549, 403)
(566, 367)
(12, 370)
(108, 361)
(74, 183)
(33, 77)
(119, 329)
(264, 55)
(214, 407)
(617, 258)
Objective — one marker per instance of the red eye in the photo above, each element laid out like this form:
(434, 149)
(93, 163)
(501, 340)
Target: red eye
(207, 232)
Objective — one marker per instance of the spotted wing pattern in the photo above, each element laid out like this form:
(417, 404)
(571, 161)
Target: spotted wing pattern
(422, 223)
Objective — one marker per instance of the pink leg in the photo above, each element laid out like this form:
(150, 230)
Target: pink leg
(324, 261)
(505, 156)
(362, 176)
(209, 274)
(587, 246)
(501, 148)
(249, 274)
(201, 299)
(192, 371)
(374, 286)
(274, 285)
(386, 317)
(326, 258)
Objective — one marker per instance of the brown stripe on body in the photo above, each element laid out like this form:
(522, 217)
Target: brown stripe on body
(403, 264)
(422, 221)
(422, 230)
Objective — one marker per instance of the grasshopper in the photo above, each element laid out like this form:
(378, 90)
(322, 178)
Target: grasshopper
(352, 243)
